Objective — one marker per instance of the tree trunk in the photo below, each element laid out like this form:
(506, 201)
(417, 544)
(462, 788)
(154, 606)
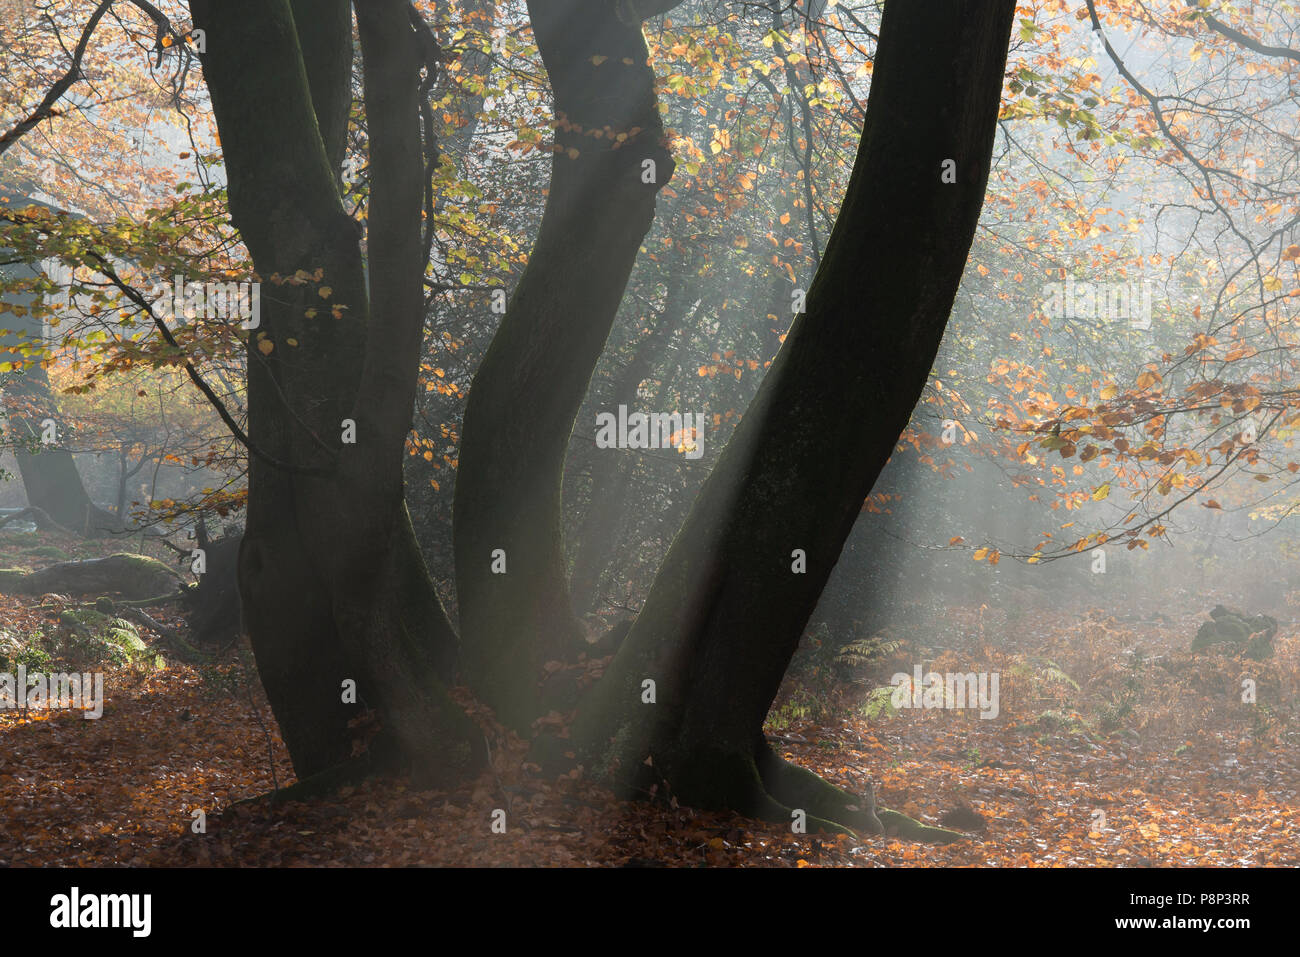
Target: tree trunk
(50, 475)
(333, 586)
(727, 608)
(531, 382)
(611, 470)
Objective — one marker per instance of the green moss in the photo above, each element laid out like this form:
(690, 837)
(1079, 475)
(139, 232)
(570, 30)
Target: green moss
(1230, 631)
(11, 579)
(1259, 647)
(1206, 635)
(908, 828)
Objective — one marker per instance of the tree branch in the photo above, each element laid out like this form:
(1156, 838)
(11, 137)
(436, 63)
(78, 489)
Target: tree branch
(46, 108)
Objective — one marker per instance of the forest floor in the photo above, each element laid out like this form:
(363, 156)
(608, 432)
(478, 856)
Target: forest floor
(1098, 757)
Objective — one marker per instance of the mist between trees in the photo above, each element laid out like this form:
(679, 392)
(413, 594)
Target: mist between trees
(646, 373)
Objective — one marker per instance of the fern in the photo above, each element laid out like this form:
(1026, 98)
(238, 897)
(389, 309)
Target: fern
(879, 703)
(1053, 672)
(864, 651)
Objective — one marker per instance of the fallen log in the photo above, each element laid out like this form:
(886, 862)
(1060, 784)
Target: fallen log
(134, 577)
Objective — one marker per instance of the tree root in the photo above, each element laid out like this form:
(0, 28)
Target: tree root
(172, 636)
(767, 787)
(318, 785)
(909, 828)
(41, 518)
(800, 787)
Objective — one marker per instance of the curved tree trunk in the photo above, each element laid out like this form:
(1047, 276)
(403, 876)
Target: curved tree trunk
(50, 476)
(726, 610)
(333, 587)
(611, 472)
(531, 382)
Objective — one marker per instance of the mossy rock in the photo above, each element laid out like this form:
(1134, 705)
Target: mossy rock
(1260, 645)
(1210, 634)
(1223, 611)
(1231, 632)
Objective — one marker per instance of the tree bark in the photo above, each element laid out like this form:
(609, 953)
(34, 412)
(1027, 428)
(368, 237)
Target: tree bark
(727, 609)
(611, 471)
(332, 584)
(530, 384)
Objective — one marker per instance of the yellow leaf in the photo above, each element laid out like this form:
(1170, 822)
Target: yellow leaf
(324, 292)
(265, 347)
(1101, 492)
(1109, 392)
(980, 554)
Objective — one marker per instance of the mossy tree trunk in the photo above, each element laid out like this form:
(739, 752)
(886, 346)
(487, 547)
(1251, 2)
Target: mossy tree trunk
(610, 163)
(726, 609)
(332, 584)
